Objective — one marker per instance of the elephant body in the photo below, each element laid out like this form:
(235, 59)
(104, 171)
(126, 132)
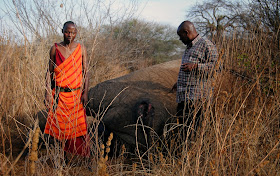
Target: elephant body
(135, 107)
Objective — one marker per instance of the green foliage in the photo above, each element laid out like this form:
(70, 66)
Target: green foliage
(243, 60)
(148, 40)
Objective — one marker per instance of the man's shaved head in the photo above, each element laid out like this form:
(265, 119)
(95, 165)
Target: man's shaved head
(187, 26)
(187, 32)
(68, 23)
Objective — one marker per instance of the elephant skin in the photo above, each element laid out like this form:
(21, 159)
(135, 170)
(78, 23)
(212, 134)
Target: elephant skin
(135, 107)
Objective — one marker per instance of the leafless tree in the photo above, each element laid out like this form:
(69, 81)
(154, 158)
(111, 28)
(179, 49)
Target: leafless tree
(267, 12)
(264, 15)
(37, 19)
(215, 16)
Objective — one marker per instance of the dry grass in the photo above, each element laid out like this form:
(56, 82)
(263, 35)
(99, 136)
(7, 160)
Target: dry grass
(239, 134)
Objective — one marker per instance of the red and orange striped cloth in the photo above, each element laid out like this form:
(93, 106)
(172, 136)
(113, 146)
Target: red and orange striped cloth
(67, 118)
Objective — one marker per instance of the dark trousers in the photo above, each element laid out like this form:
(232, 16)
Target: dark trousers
(190, 118)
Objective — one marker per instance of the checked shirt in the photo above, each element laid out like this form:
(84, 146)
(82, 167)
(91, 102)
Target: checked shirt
(194, 85)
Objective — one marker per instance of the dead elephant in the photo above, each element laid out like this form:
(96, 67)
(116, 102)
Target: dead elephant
(135, 107)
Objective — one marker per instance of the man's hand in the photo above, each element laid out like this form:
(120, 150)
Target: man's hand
(84, 99)
(47, 100)
(174, 88)
(187, 67)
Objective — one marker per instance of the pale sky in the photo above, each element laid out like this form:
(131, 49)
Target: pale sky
(171, 12)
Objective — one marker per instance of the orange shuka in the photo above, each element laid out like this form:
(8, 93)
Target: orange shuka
(66, 118)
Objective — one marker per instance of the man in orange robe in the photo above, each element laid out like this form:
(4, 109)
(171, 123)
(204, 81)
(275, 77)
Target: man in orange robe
(67, 92)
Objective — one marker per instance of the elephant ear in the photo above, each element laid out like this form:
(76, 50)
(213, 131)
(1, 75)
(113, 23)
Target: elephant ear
(146, 111)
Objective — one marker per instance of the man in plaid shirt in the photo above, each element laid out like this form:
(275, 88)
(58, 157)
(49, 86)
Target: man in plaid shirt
(198, 63)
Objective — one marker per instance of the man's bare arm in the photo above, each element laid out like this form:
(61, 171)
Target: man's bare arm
(49, 77)
(86, 78)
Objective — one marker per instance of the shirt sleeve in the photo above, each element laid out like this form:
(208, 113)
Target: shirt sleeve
(210, 58)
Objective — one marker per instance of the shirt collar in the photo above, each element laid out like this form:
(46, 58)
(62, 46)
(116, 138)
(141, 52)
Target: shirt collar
(194, 41)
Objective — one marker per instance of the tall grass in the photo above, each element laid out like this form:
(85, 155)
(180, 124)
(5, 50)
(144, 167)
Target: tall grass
(239, 134)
